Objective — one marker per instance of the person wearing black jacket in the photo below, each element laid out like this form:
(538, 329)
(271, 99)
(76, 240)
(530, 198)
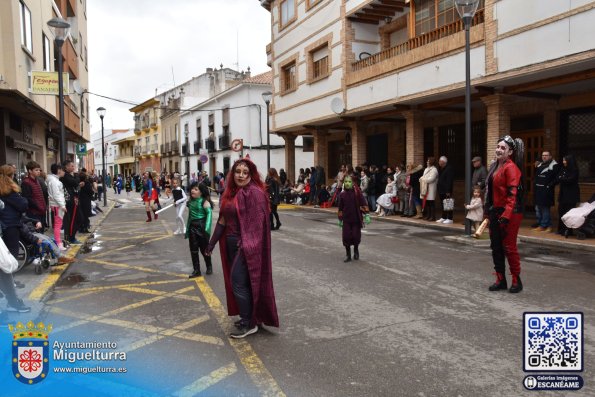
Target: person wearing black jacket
(569, 194)
(72, 185)
(372, 188)
(32, 190)
(13, 207)
(415, 173)
(319, 183)
(272, 183)
(543, 191)
(86, 194)
(445, 184)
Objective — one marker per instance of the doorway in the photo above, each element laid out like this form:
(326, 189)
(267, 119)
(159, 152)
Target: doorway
(377, 150)
(533, 140)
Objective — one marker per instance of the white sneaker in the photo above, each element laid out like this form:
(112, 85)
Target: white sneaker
(441, 220)
(447, 221)
(177, 232)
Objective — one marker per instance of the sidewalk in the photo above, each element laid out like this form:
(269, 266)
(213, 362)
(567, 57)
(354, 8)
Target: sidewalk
(457, 229)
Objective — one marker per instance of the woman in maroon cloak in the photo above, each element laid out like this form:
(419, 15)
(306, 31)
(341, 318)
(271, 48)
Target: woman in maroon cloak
(352, 206)
(244, 231)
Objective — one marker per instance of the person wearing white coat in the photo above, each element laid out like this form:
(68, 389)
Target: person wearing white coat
(57, 200)
(428, 185)
(385, 202)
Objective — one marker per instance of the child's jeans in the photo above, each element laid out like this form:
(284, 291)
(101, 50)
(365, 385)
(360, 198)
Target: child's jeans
(57, 224)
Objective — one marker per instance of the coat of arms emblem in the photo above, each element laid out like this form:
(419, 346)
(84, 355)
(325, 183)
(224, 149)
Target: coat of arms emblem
(30, 351)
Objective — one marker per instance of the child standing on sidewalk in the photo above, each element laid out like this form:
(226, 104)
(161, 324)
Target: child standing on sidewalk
(198, 228)
(179, 202)
(475, 208)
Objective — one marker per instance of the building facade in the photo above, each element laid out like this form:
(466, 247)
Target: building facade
(115, 140)
(238, 113)
(29, 123)
(383, 81)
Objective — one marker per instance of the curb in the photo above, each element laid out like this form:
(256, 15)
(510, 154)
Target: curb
(56, 272)
(460, 239)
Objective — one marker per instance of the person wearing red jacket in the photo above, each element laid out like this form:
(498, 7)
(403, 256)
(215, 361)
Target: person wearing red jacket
(505, 211)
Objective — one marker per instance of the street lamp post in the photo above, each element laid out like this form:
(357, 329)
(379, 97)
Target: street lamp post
(466, 10)
(101, 113)
(267, 96)
(60, 28)
(187, 153)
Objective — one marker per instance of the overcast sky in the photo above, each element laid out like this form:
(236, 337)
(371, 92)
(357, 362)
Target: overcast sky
(134, 44)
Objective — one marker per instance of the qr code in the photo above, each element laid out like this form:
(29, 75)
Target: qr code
(553, 341)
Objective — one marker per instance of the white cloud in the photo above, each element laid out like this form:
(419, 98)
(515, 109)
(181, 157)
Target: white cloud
(134, 44)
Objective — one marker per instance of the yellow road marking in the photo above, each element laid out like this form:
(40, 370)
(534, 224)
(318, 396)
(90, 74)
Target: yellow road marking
(155, 292)
(67, 298)
(146, 301)
(119, 286)
(207, 381)
(51, 279)
(141, 268)
(84, 319)
(261, 376)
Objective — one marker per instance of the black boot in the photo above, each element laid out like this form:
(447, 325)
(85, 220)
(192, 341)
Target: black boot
(517, 285)
(348, 253)
(500, 283)
(209, 265)
(355, 252)
(195, 264)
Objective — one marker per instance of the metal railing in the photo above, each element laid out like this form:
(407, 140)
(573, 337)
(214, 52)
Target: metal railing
(175, 146)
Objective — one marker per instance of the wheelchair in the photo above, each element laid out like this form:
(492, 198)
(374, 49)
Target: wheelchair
(40, 255)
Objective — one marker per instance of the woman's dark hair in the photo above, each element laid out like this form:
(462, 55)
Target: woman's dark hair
(571, 162)
(273, 174)
(204, 191)
(55, 168)
(432, 161)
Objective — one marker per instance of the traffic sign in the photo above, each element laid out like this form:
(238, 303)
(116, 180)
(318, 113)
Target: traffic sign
(204, 158)
(81, 149)
(237, 145)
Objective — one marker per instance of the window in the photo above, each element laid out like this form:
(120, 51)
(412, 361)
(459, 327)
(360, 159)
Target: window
(198, 131)
(26, 28)
(311, 3)
(577, 138)
(287, 11)
(320, 62)
(432, 14)
(289, 77)
(46, 53)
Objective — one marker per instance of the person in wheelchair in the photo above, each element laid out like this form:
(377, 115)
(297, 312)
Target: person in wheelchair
(40, 249)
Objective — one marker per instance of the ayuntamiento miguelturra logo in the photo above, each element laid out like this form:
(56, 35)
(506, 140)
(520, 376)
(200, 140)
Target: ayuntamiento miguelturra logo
(30, 351)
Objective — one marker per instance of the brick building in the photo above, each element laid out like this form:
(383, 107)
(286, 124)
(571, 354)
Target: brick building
(29, 123)
(383, 81)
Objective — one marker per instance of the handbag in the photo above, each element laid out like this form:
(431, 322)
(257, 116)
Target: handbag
(394, 199)
(8, 263)
(448, 204)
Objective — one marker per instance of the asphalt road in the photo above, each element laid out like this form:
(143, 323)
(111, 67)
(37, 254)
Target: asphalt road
(412, 317)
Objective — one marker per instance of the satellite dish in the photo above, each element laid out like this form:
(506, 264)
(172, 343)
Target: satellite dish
(77, 87)
(337, 106)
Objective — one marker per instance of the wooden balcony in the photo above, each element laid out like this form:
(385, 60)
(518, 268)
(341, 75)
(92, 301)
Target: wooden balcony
(416, 42)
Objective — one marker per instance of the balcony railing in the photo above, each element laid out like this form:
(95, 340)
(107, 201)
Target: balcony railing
(153, 147)
(416, 42)
(137, 150)
(224, 141)
(197, 146)
(175, 146)
(184, 150)
(210, 145)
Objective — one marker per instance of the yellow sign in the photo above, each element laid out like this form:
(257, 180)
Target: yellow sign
(46, 83)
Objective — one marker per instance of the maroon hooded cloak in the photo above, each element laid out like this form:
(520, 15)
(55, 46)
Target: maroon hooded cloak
(252, 206)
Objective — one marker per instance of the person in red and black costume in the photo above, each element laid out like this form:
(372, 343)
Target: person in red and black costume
(504, 203)
(32, 191)
(72, 218)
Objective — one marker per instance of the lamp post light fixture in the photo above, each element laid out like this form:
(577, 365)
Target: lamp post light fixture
(466, 10)
(60, 28)
(101, 113)
(267, 97)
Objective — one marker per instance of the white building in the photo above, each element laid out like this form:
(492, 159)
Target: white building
(238, 113)
(109, 137)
